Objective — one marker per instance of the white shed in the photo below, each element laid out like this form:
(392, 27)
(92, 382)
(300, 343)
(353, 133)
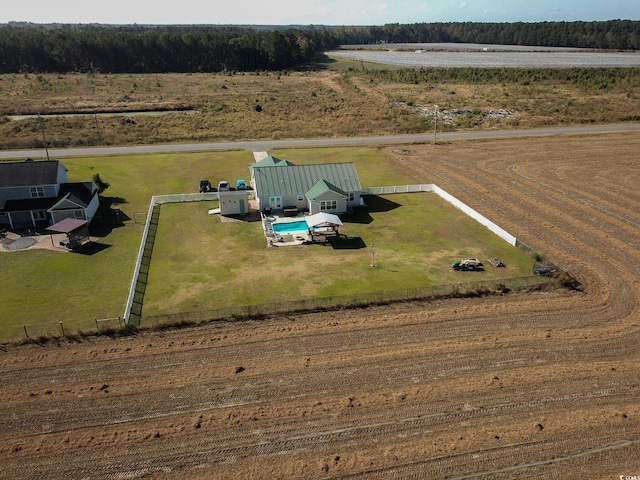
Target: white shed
(234, 202)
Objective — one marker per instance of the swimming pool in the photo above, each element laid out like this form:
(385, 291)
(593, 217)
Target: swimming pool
(288, 227)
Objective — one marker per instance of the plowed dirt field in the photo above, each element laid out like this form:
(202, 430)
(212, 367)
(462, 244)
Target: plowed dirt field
(541, 385)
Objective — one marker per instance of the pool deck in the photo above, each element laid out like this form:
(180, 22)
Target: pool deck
(284, 239)
(295, 238)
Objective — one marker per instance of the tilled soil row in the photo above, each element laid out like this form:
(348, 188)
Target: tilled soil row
(512, 386)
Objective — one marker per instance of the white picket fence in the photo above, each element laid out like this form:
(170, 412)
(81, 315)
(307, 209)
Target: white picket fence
(430, 187)
(184, 197)
(158, 200)
(199, 197)
(423, 187)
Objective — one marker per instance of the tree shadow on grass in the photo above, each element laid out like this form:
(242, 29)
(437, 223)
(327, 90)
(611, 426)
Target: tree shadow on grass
(108, 216)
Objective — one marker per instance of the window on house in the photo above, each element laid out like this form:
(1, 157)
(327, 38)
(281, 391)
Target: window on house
(39, 215)
(328, 205)
(352, 196)
(300, 198)
(79, 214)
(37, 191)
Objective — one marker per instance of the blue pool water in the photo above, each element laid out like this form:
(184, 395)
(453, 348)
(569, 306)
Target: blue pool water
(290, 227)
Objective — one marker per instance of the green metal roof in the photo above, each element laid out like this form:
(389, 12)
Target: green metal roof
(322, 186)
(299, 179)
(271, 161)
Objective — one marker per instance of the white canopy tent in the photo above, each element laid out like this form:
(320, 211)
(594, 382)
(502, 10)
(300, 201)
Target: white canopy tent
(323, 227)
(323, 219)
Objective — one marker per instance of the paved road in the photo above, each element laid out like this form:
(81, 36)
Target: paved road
(266, 145)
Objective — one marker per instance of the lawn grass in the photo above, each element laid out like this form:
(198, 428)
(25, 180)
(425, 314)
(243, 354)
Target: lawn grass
(46, 287)
(201, 263)
(412, 238)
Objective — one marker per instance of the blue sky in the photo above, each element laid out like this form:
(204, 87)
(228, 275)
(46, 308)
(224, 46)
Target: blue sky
(306, 12)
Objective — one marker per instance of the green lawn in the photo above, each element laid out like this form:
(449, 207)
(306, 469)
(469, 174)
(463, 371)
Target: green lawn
(44, 287)
(201, 263)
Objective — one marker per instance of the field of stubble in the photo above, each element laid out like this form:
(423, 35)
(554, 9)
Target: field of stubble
(541, 385)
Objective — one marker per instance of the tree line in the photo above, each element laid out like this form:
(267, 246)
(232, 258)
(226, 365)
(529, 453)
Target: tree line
(35, 48)
(613, 34)
(139, 49)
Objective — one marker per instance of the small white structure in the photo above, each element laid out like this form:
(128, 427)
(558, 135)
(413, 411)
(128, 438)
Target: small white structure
(234, 202)
(323, 220)
(323, 227)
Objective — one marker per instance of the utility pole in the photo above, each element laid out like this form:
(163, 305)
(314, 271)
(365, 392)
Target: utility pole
(95, 116)
(44, 137)
(435, 126)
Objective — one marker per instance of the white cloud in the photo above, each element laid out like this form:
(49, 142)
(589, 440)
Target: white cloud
(555, 11)
(329, 12)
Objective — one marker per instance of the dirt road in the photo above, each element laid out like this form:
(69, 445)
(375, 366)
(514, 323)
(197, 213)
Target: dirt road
(516, 386)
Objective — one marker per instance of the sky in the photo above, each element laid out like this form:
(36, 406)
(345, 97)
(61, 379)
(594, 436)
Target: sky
(314, 12)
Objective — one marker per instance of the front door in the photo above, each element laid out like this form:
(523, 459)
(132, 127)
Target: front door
(38, 216)
(275, 203)
(243, 208)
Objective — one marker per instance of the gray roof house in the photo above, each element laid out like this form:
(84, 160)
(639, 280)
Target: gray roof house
(328, 187)
(40, 194)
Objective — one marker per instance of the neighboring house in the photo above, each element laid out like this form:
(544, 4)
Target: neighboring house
(328, 187)
(39, 194)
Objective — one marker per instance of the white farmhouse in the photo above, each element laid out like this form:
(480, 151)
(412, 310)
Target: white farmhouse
(328, 187)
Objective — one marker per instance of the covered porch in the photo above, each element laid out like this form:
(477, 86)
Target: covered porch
(76, 231)
(323, 227)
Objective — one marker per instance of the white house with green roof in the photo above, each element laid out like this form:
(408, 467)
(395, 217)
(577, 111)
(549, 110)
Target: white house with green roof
(327, 187)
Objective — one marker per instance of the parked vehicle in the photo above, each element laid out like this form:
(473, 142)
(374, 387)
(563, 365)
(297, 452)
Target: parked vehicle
(205, 186)
(497, 262)
(546, 270)
(223, 186)
(467, 264)
(241, 185)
